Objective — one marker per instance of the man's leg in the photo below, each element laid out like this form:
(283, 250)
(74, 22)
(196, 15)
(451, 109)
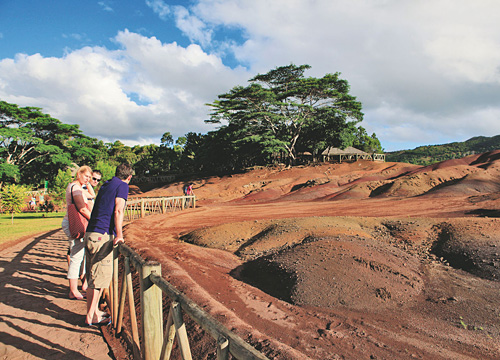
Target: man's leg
(93, 315)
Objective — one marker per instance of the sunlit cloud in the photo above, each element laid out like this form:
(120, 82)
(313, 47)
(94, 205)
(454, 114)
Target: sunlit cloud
(140, 91)
(159, 7)
(425, 71)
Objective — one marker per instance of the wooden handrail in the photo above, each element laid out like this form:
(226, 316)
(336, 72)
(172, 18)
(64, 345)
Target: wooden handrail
(156, 345)
(237, 346)
(141, 207)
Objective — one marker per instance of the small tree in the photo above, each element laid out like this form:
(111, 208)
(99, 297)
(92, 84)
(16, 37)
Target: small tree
(61, 181)
(13, 197)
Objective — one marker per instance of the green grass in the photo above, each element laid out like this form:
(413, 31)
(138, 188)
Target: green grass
(28, 224)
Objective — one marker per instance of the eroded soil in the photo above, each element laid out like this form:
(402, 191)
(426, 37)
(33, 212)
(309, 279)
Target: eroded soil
(356, 261)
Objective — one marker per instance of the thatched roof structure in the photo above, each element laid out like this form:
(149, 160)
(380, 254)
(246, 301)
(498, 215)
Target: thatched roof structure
(346, 151)
(349, 154)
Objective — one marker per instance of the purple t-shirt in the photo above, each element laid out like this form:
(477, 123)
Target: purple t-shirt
(102, 219)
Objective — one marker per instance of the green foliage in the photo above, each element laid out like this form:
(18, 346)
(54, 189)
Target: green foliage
(282, 111)
(13, 199)
(8, 172)
(120, 153)
(430, 154)
(87, 150)
(107, 170)
(58, 188)
(32, 144)
(367, 143)
(167, 139)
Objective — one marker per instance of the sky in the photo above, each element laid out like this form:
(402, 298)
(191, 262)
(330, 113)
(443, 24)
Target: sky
(426, 71)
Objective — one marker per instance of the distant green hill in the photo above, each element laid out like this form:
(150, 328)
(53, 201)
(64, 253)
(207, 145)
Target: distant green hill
(430, 154)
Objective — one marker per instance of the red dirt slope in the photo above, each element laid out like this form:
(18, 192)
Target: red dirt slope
(342, 261)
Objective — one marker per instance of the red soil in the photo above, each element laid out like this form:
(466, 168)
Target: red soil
(356, 261)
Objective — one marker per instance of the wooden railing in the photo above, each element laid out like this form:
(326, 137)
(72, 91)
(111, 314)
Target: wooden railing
(354, 157)
(151, 341)
(140, 207)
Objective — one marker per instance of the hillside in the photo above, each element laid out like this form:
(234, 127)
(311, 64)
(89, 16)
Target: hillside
(469, 176)
(424, 155)
(341, 261)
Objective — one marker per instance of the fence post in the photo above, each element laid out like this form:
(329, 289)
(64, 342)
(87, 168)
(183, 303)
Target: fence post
(194, 201)
(143, 213)
(152, 312)
(222, 348)
(114, 312)
(168, 339)
(180, 327)
(163, 207)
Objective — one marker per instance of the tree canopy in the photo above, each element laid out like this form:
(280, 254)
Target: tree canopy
(283, 111)
(275, 118)
(28, 138)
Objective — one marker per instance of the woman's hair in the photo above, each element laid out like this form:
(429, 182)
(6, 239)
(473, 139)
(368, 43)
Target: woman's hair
(83, 169)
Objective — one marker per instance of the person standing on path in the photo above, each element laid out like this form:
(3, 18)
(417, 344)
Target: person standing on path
(103, 233)
(90, 195)
(76, 267)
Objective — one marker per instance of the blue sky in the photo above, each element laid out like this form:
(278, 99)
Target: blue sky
(427, 72)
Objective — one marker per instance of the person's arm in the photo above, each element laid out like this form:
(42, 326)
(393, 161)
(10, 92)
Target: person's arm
(81, 205)
(90, 192)
(119, 212)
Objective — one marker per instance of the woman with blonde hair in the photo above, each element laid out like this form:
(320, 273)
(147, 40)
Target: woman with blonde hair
(76, 194)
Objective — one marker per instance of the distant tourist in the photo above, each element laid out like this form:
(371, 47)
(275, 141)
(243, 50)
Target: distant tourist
(188, 191)
(103, 233)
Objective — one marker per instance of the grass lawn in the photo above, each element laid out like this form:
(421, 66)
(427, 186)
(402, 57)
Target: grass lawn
(28, 224)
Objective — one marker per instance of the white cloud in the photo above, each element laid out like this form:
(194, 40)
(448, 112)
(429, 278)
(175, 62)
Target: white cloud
(159, 7)
(432, 62)
(426, 71)
(93, 87)
(79, 37)
(195, 29)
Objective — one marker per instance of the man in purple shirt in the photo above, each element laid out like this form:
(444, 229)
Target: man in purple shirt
(103, 233)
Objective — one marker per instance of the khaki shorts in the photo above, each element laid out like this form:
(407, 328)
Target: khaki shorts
(99, 253)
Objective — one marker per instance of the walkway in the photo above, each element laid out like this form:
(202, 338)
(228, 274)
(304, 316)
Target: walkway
(37, 320)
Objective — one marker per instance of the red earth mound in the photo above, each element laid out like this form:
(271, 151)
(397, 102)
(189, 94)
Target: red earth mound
(341, 261)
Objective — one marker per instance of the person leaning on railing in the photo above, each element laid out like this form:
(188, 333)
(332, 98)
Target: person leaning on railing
(103, 233)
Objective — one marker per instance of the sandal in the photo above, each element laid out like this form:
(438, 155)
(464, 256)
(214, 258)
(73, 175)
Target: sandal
(102, 321)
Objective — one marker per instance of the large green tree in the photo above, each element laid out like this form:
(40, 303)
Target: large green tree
(271, 114)
(32, 144)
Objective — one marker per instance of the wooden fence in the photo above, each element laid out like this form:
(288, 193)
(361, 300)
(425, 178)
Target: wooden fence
(140, 207)
(356, 157)
(151, 341)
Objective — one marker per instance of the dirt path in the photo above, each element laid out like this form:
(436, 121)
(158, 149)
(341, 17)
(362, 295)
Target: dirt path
(37, 320)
